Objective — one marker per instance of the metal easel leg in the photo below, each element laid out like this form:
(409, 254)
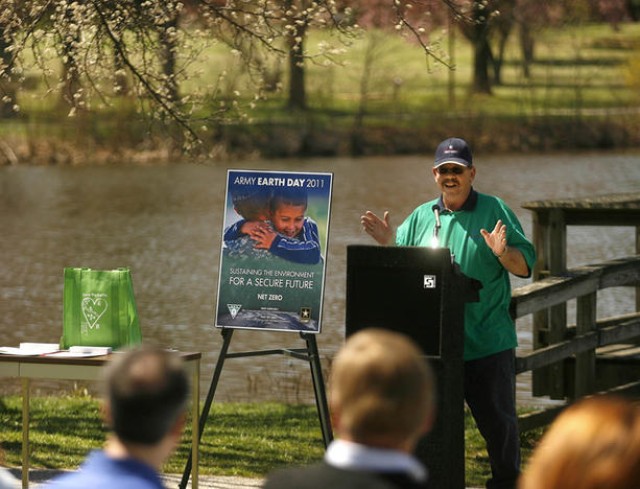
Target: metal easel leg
(226, 335)
(318, 387)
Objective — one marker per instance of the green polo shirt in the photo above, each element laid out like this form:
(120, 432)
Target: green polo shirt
(488, 326)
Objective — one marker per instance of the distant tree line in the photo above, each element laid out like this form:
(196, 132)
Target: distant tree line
(90, 52)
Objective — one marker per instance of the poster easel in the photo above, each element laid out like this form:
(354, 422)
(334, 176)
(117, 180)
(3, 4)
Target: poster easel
(310, 354)
(272, 269)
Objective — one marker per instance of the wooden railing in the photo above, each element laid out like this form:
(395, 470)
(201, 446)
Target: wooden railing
(582, 340)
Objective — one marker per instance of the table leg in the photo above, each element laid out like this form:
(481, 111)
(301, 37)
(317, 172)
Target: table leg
(25, 432)
(195, 416)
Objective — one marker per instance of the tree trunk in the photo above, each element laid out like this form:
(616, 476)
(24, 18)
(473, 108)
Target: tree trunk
(120, 80)
(527, 48)
(71, 93)
(297, 92)
(481, 49)
(481, 59)
(498, 61)
(168, 58)
(71, 89)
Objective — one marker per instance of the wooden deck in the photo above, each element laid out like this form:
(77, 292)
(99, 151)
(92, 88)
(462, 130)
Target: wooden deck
(566, 357)
(551, 218)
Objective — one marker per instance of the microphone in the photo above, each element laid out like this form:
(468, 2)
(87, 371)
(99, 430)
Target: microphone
(435, 241)
(436, 212)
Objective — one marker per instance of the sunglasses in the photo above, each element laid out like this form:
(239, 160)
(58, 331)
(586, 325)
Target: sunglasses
(455, 170)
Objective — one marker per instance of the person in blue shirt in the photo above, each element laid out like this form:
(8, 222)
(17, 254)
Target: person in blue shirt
(145, 407)
(7, 480)
(488, 243)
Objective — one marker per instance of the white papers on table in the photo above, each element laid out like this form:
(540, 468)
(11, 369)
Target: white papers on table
(82, 351)
(53, 350)
(30, 349)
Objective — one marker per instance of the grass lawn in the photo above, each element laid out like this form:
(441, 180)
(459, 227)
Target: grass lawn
(240, 439)
(575, 67)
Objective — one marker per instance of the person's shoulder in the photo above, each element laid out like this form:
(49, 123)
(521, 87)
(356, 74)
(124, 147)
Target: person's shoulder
(298, 477)
(397, 480)
(322, 475)
(74, 480)
(99, 471)
(78, 480)
(488, 197)
(7, 480)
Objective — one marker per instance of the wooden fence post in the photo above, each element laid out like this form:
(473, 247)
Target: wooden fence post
(584, 379)
(556, 256)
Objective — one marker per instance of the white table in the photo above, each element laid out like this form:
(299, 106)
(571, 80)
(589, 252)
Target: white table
(87, 368)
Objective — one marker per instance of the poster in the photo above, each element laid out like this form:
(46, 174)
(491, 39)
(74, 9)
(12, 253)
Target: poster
(274, 250)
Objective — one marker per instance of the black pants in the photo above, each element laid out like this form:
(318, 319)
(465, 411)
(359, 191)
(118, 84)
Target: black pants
(489, 390)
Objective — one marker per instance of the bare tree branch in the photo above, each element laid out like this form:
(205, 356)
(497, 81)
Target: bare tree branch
(175, 115)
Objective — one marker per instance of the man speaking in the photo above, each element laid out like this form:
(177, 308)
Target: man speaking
(487, 241)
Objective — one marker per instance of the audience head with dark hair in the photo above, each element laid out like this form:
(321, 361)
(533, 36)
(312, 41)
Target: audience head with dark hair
(147, 392)
(144, 407)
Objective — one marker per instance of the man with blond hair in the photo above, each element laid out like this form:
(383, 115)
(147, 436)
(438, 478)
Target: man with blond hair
(382, 401)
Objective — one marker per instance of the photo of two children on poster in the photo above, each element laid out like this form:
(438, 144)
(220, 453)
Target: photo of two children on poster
(273, 254)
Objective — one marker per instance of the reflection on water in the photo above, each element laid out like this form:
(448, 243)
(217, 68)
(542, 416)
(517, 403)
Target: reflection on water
(165, 224)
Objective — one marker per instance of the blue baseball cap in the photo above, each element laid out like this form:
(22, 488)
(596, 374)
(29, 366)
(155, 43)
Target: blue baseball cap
(453, 150)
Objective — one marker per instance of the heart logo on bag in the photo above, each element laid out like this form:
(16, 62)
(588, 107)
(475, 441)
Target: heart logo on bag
(93, 310)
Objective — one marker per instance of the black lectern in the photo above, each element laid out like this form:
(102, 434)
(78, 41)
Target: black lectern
(420, 292)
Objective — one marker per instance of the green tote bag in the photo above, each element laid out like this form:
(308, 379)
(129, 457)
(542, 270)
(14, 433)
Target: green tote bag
(99, 309)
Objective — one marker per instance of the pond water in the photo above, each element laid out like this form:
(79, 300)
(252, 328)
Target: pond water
(165, 223)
